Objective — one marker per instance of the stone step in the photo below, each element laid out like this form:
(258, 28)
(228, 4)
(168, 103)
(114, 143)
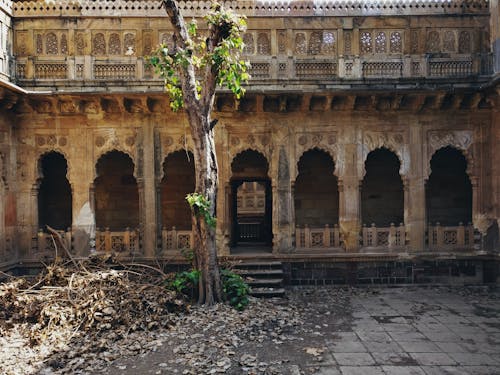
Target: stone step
(259, 273)
(259, 265)
(265, 292)
(263, 282)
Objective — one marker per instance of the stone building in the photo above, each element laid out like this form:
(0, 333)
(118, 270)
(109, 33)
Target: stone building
(366, 148)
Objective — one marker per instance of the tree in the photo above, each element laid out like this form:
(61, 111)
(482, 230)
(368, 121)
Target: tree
(192, 68)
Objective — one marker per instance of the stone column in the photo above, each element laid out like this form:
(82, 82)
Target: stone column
(495, 33)
(148, 196)
(349, 197)
(284, 198)
(414, 183)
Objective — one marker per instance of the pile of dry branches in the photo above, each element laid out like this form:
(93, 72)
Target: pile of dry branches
(92, 299)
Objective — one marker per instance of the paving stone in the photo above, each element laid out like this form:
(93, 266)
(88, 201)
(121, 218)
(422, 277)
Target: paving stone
(419, 346)
(348, 347)
(461, 370)
(474, 359)
(396, 359)
(408, 336)
(398, 327)
(374, 336)
(437, 359)
(451, 347)
(328, 370)
(354, 359)
(361, 370)
(403, 370)
(381, 347)
(442, 336)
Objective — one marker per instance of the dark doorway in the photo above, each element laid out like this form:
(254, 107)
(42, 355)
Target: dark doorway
(316, 190)
(449, 190)
(382, 193)
(116, 193)
(54, 193)
(251, 202)
(178, 181)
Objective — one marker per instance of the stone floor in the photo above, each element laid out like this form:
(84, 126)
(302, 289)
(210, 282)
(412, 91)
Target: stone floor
(417, 331)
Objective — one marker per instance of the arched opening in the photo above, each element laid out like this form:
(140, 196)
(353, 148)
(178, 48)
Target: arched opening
(178, 181)
(316, 190)
(382, 193)
(54, 192)
(251, 202)
(449, 190)
(116, 193)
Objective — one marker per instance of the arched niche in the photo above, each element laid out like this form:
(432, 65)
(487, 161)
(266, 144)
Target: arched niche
(449, 189)
(54, 192)
(316, 192)
(178, 181)
(116, 193)
(382, 192)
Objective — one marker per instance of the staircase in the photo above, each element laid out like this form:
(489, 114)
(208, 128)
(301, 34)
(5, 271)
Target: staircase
(265, 278)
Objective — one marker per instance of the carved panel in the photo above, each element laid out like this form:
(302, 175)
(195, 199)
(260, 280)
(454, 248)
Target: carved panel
(263, 44)
(21, 47)
(381, 42)
(396, 42)
(64, 44)
(249, 48)
(328, 44)
(433, 41)
(168, 40)
(147, 44)
(114, 44)
(51, 44)
(99, 44)
(347, 42)
(326, 141)
(80, 44)
(449, 43)
(38, 44)
(414, 41)
(365, 42)
(315, 43)
(460, 139)
(300, 44)
(464, 42)
(282, 42)
(129, 44)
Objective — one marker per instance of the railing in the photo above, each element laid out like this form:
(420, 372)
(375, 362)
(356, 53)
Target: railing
(176, 239)
(44, 243)
(450, 237)
(271, 68)
(384, 237)
(127, 241)
(250, 231)
(317, 237)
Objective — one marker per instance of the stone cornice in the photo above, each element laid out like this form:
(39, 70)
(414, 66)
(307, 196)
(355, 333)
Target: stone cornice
(250, 8)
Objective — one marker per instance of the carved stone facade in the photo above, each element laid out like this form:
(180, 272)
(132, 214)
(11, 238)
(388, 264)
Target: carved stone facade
(338, 106)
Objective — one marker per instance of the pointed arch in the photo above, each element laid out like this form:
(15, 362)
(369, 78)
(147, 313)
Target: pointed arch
(382, 191)
(250, 163)
(54, 191)
(116, 192)
(316, 191)
(449, 188)
(178, 181)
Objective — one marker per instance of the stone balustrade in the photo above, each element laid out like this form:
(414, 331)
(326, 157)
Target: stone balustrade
(44, 244)
(454, 238)
(127, 241)
(326, 237)
(172, 240)
(88, 68)
(391, 237)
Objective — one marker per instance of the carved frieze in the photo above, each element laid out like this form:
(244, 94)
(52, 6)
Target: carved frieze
(109, 139)
(50, 141)
(461, 139)
(394, 141)
(261, 142)
(326, 141)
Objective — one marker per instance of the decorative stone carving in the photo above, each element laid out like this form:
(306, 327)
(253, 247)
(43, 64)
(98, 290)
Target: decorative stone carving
(64, 44)
(235, 141)
(381, 42)
(464, 42)
(461, 139)
(396, 42)
(302, 140)
(67, 107)
(251, 139)
(51, 140)
(168, 40)
(325, 141)
(300, 44)
(147, 44)
(328, 43)
(265, 140)
(63, 141)
(21, 47)
(282, 42)
(168, 141)
(263, 44)
(249, 48)
(433, 42)
(348, 42)
(99, 44)
(114, 44)
(449, 44)
(365, 42)
(315, 42)
(80, 44)
(394, 141)
(414, 41)
(51, 44)
(99, 141)
(39, 44)
(128, 43)
(130, 141)
(40, 141)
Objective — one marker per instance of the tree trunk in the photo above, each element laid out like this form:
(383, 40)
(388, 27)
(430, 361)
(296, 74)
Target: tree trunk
(205, 251)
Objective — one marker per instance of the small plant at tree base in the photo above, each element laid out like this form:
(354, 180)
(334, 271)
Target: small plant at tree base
(201, 207)
(186, 283)
(235, 289)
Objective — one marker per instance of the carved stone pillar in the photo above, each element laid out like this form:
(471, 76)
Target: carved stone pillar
(349, 212)
(284, 199)
(414, 190)
(147, 192)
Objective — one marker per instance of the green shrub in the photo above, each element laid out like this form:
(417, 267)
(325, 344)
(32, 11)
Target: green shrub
(235, 289)
(186, 283)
